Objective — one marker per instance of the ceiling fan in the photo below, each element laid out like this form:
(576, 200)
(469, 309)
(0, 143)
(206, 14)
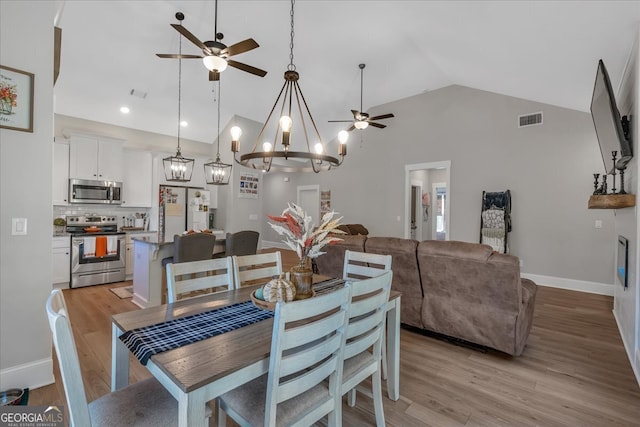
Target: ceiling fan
(215, 54)
(361, 120)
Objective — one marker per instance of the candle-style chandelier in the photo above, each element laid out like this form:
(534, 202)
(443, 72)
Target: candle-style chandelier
(217, 172)
(286, 160)
(178, 168)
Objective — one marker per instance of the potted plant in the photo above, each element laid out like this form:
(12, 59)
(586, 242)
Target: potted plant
(306, 240)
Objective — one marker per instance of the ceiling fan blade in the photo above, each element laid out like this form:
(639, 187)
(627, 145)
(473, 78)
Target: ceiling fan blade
(193, 39)
(351, 128)
(247, 68)
(383, 116)
(377, 125)
(340, 121)
(241, 47)
(177, 56)
(214, 76)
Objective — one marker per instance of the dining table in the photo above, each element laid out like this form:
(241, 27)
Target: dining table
(197, 373)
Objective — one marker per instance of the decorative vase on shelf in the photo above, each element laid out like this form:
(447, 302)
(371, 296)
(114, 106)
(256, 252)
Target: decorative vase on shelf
(302, 279)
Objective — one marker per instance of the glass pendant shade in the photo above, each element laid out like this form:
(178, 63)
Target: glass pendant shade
(178, 168)
(215, 63)
(361, 124)
(217, 173)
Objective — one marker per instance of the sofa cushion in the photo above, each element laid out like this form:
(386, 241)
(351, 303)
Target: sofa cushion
(331, 263)
(406, 276)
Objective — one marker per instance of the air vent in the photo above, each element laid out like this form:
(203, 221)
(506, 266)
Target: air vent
(530, 119)
(138, 93)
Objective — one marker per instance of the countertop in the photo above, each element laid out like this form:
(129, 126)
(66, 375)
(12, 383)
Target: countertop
(154, 240)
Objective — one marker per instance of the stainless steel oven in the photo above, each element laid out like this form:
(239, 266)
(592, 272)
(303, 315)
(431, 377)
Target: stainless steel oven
(97, 250)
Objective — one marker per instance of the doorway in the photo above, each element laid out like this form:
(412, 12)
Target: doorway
(427, 215)
(309, 200)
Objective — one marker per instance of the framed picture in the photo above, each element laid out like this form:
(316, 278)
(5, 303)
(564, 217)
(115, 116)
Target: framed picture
(248, 186)
(16, 99)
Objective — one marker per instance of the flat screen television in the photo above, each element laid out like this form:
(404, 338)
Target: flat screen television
(623, 261)
(612, 130)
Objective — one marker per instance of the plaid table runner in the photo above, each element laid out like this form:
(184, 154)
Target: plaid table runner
(149, 340)
(327, 286)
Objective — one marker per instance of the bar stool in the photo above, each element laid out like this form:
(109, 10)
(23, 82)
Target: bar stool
(187, 247)
(240, 243)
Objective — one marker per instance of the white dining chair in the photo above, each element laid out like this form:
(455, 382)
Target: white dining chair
(145, 403)
(254, 268)
(362, 265)
(196, 276)
(365, 339)
(305, 367)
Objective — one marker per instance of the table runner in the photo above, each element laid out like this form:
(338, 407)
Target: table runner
(327, 286)
(149, 340)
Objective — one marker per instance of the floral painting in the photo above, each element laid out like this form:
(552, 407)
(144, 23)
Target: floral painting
(16, 99)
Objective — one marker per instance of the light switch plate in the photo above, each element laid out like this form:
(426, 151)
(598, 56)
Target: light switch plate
(253, 217)
(19, 226)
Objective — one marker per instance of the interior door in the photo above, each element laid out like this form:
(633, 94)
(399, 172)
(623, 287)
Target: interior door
(309, 200)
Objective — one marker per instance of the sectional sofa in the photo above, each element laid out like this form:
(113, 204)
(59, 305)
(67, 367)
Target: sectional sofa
(457, 289)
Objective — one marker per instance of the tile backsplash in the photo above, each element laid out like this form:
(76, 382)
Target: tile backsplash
(121, 213)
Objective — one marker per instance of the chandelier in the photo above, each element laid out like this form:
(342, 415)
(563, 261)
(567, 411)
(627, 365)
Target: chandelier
(289, 98)
(217, 173)
(178, 168)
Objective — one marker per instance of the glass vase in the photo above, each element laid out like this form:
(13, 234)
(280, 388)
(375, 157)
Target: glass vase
(302, 279)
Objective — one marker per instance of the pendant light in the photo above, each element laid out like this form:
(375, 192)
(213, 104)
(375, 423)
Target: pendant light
(178, 168)
(264, 152)
(218, 173)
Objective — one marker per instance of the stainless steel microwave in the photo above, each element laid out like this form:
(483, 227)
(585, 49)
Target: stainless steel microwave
(95, 192)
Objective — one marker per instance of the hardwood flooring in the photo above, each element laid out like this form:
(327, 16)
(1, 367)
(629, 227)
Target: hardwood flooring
(573, 372)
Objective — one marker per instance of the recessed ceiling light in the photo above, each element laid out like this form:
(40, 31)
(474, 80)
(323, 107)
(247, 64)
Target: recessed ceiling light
(184, 123)
(124, 110)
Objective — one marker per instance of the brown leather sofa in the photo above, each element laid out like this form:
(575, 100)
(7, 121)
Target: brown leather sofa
(458, 289)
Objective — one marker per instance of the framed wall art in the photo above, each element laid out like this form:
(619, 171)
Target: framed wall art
(16, 99)
(248, 186)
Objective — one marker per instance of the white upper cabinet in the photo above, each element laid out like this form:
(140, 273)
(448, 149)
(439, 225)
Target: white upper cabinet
(60, 179)
(137, 190)
(95, 157)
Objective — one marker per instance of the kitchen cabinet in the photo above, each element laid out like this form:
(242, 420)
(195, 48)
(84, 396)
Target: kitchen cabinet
(137, 190)
(128, 269)
(95, 157)
(61, 248)
(60, 179)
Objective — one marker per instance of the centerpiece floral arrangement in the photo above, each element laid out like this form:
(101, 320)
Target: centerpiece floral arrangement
(301, 236)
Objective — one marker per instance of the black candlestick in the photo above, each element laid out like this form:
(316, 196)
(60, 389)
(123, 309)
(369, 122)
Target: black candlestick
(595, 182)
(614, 154)
(622, 182)
(603, 188)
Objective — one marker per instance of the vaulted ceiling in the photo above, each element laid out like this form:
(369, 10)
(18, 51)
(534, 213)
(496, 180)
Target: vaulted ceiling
(545, 51)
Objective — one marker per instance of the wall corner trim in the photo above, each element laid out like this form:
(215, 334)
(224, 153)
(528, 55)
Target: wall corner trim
(571, 284)
(635, 364)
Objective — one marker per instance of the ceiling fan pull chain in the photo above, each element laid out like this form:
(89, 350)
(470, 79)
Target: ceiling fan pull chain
(291, 66)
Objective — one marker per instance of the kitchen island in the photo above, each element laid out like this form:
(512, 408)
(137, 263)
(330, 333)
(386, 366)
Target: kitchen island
(148, 253)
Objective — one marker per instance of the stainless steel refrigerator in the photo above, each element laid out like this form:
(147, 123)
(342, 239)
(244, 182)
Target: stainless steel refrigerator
(182, 209)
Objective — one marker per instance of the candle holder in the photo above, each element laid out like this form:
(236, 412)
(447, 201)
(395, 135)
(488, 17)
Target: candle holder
(614, 154)
(595, 183)
(622, 182)
(603, 187)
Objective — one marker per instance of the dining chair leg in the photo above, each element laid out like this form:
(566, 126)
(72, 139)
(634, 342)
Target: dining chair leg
(220, 415)
(334, 418)
(376, 385)
(351, 397)
(384, 353)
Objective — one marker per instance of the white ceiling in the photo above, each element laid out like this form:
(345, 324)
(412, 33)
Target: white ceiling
(544, 51)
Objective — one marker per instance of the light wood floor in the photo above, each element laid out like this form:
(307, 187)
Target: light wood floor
(574, 370)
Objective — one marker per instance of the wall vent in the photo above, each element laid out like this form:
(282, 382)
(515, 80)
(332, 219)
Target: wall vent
(530, 119)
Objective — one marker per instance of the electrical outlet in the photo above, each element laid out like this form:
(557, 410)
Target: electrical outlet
(253, 217)
(598, 223)
(18, 226)
(521, 263)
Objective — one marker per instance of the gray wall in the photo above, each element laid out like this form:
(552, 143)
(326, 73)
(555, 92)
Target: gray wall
(548, 169)
(627, 302)
(26, 40)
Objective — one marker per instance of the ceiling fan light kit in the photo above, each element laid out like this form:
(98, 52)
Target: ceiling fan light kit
(287, 160)
(178, 168)
(215, 63)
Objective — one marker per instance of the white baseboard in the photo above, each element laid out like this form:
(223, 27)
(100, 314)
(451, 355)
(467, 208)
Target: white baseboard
(32, 375)
(266, 244)
(635, 365)
(571, 284)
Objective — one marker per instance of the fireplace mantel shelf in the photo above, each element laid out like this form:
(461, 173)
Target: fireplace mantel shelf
(612, 201)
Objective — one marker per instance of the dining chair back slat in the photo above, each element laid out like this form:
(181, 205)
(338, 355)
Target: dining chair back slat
(253, 268)
(195, 276)
(307, 349)
(361, 265)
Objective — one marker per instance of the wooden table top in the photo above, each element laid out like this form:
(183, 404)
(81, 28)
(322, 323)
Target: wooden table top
(202, 362)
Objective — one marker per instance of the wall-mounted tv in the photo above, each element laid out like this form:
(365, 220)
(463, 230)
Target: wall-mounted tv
(623, 261)
(612, 130)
